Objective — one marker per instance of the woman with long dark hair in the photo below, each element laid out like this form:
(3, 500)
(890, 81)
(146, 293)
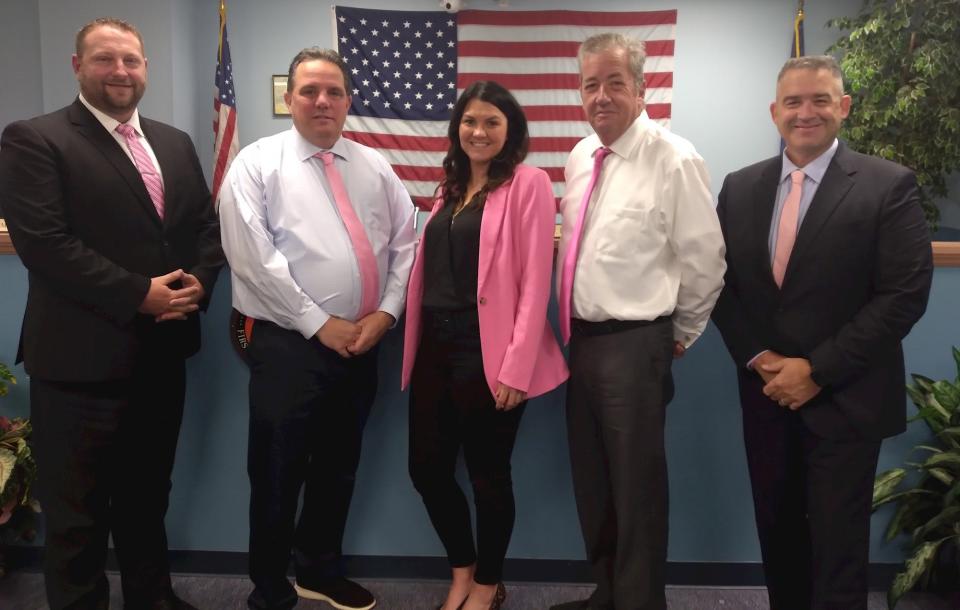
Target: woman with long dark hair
(477, 340)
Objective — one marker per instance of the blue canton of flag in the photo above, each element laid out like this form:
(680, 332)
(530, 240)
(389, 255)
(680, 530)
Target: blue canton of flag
(224, 80)
(403, 65)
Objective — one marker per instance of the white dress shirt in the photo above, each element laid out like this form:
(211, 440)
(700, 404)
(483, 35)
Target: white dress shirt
(291, 258)
(651, 243)
(110, 124)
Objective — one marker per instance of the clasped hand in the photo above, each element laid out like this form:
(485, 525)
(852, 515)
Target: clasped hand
(354, 338)
(165, 303)
(787, 379)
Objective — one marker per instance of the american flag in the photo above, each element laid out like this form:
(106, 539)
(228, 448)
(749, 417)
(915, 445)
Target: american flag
(408, 66)
(225, 143)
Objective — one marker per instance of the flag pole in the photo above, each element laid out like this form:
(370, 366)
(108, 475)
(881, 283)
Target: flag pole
(798, 31)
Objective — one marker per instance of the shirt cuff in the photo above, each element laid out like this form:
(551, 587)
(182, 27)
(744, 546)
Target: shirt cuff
(311, 322)
(393, 306)
(751, 362)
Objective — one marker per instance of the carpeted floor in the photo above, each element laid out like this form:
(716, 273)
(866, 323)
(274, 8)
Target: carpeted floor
(24, 591)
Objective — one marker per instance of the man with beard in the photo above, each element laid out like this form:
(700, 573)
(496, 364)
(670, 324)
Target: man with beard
(111, 216)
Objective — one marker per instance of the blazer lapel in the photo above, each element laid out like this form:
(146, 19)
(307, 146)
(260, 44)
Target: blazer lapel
(764, 200)
(836, 183)
(89, 127)
(491, 222)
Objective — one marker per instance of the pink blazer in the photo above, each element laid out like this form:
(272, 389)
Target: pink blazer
(516, 261)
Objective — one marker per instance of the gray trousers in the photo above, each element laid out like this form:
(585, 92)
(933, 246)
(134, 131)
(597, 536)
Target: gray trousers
(620, 384)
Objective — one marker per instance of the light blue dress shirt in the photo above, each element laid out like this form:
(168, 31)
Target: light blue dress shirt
(291, 258)
(813, 176)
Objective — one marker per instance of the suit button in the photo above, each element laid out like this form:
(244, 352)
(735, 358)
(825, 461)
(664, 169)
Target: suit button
(482, 301)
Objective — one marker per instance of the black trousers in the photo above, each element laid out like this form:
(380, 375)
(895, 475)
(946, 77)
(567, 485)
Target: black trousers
(451, 407)
(619, 387)
(308, 407)
(812, 500)
(105, 453)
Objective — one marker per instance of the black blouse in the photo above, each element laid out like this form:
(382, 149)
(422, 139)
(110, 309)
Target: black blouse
(451, 259)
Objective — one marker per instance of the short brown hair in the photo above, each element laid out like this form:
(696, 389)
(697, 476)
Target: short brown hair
(111, 22)
(316, 53)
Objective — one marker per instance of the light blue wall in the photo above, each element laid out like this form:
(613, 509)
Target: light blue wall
(727, 57)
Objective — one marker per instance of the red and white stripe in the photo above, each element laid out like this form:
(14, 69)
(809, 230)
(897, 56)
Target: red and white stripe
(533, 54)
(226, 144)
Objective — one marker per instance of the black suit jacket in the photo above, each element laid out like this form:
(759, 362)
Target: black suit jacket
(857, 280)
(84, 226)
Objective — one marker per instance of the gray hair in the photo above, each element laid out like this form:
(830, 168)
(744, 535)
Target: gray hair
(635, 50)
(316, 53)
(813, 62)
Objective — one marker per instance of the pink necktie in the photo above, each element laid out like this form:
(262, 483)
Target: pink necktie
(151, 179)
(369, 275)
(570, 258)
(787, 230)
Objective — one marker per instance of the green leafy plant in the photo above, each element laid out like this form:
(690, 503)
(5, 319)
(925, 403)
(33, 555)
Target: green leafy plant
(901, 62)
(17, 473)
(927, 493)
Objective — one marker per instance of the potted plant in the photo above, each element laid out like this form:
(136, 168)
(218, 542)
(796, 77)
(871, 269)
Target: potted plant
(926, 493)
(901, 62)
(17, 472)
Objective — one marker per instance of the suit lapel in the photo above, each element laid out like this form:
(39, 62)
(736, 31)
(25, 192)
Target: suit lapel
(90, 128)
(764, 200)
(836, 183)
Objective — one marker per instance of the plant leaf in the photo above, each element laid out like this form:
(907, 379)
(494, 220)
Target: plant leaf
(947, 517)
(916, 565)
(943, 459)
(7, 462)
(885, 484)
(942, 475)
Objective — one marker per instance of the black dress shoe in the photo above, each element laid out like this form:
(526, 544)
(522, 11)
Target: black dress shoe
(580, 604)
(172, 603)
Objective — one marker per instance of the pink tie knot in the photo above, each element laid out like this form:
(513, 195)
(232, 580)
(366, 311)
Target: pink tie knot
(326, 157)
(125, 130)
(796, 177)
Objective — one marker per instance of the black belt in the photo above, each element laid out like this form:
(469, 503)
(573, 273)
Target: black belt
(606, 327)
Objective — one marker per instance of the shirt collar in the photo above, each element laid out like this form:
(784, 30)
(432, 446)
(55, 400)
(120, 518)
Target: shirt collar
(109, 123)
(306, 150)
(813, 170)
(628, 141)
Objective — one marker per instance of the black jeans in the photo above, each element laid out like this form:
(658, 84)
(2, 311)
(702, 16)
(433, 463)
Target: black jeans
(308, 407)
(451, 406)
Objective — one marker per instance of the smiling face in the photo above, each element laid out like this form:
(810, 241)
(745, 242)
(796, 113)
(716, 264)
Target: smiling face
(809, 109)
(483, 132)
(318, 102)
(612, 98)
(112, 71)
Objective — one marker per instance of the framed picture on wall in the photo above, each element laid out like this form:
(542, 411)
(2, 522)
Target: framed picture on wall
(279, 88)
